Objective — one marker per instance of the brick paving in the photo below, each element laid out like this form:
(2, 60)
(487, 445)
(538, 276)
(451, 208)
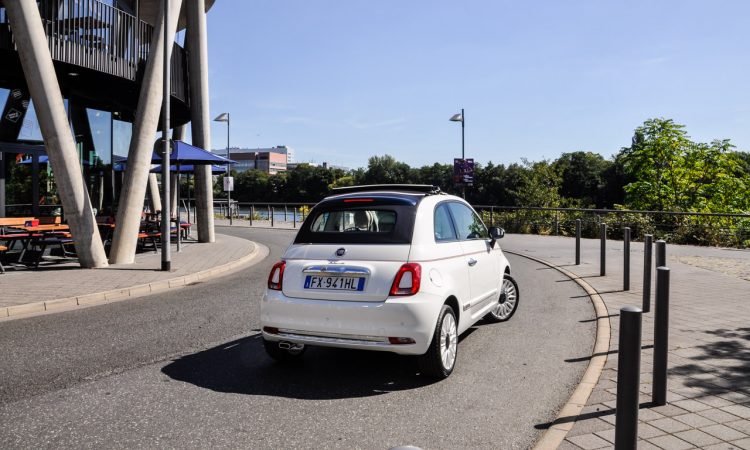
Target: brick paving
(709, 344)
(19, 285)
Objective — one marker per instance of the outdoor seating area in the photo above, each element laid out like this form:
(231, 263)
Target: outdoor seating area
(30, 242)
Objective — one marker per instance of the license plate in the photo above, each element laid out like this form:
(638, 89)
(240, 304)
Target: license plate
(335, 283)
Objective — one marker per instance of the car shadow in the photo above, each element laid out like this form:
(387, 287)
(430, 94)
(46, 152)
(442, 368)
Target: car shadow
(242, 367)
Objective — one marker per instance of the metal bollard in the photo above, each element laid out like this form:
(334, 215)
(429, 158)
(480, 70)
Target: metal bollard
(626, 259)
(271, 209)
(661, 253)
(578, 242)
(603, 249)
(252, 213)
(647, 249)
(285, 210)
(661, 338)
(294, 217)
(628, 378)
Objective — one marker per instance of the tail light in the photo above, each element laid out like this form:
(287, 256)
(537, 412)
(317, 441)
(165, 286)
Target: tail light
(276, 277)
(407, 280)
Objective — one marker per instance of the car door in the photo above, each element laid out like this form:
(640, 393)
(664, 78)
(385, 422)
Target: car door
(478, 257)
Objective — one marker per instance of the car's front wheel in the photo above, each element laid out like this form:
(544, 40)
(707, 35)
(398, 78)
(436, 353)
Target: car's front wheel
(440, 358)
(507, 301)
(284, 352)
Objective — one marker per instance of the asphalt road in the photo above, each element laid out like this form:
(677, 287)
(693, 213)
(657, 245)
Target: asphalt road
(187, 369)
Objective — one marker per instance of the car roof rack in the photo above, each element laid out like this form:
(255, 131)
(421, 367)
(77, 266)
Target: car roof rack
(427, 189)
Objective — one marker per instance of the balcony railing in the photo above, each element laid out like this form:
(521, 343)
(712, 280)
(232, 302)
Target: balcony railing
(97, 36)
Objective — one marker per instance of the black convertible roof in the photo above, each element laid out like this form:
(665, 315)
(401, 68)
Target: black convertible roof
(426, 189)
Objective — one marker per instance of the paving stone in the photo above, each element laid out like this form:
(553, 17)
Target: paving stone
(718, 415)
(723, 432)
(742, 443)
(589, 426)
(714, 401)
(646, 431)
(697, 438)
(669, 442)
(740, 425)
(721, 446)
(589, 441)
(670, 425)
(608, 435)
(694, 420)
(645, 445)
(669, 410)
(691, 405)
(567, 445)
(737, 410)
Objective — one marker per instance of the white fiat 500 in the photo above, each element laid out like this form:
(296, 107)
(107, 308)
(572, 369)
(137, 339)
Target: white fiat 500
(397, 268)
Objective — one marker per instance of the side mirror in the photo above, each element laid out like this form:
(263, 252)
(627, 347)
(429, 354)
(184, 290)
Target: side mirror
(496, 233)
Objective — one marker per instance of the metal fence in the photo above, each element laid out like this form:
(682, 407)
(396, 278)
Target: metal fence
(98, 36)
(730, 230)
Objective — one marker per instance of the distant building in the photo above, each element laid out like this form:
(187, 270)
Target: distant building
(270, 160)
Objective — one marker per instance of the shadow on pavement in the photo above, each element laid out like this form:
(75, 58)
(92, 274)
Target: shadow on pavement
(727, 358)
(242, 367)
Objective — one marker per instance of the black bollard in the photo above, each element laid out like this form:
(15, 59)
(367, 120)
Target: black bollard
(603, 249)
(661, 253)
(626, 259)
(647, 249)
(661, 338)
(294, 217)
(578, 242)
(628, 379)
(272, 213)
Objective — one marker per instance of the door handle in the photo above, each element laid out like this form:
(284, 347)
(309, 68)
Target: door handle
(472, 261)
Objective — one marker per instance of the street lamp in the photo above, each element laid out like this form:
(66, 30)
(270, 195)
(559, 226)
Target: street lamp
(224, 117)
(460, 118)
(166, 214)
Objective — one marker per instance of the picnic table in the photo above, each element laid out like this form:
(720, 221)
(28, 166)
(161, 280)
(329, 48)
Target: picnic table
(41, 237)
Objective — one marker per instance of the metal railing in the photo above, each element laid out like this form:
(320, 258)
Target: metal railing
(265, 213)
(715, 229)
(97, 36)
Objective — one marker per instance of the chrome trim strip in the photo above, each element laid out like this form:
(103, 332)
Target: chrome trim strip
(337, 270)
(331, 338)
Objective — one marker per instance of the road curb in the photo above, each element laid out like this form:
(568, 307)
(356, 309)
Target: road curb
(563, 423)
(100, 298)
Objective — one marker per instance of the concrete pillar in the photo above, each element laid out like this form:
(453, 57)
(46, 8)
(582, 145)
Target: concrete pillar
(178, 134)
(197, 41)
(173, 194)
(39, 72)
(141, 148)
(153, 192)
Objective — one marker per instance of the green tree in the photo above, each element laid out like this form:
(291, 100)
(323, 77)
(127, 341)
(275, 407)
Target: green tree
(385, 170)
(582, 178)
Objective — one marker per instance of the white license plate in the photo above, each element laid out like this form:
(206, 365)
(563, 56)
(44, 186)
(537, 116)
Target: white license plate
(335, 283)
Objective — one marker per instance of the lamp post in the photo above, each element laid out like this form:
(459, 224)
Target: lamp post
(224, 117)
(166, 216)
(460, 118)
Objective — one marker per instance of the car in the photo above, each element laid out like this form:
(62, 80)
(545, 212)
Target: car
(396, 268)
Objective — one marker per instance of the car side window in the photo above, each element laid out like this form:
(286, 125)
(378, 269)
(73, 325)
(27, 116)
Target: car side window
(443, 224)
(468, 223)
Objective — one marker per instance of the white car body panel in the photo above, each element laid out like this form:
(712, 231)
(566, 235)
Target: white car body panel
(365, 320)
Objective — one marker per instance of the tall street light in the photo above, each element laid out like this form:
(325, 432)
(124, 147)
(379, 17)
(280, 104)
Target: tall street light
(460, 118)
(224, 117)
(166, 215)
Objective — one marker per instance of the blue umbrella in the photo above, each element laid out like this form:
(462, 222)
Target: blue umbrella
(189, 154)
(188, 168)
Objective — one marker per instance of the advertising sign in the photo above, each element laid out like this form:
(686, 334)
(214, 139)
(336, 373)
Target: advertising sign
(463, 171)
(228, 184)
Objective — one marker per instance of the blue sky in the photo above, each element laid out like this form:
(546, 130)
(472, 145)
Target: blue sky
(343, 80)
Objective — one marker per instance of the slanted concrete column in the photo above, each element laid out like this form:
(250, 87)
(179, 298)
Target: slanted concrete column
(40, 76)
(197, 41)
(141, 149)
(153, 192)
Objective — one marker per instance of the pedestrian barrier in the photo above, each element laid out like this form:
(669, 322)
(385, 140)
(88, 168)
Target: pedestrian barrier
(628, 378)
(578, 242)
(603, 249)
(626, 259)
(661, 337)
(647, 249)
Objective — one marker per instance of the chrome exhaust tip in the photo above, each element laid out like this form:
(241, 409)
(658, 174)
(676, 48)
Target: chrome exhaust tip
(290, 346)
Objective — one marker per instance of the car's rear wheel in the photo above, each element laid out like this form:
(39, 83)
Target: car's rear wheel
(507, 302)
(293, 353)
(440, 358)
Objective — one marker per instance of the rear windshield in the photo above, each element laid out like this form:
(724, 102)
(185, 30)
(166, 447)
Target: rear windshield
(350, 224)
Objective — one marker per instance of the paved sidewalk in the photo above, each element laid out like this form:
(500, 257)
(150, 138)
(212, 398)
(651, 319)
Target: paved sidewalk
(62, 286)
(709, 344)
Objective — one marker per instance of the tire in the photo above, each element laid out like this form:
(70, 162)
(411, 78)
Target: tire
(441, 356)
(282, 355)
(507, 302)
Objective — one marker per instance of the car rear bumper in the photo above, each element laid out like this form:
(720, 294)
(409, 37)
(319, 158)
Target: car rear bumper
(352, 324)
